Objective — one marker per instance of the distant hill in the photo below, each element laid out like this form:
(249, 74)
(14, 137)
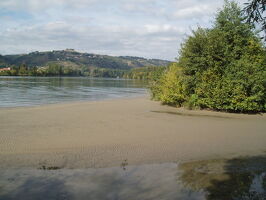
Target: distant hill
(3, 61)
(70, 57)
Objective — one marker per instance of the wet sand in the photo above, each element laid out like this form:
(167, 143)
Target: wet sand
(138, 130)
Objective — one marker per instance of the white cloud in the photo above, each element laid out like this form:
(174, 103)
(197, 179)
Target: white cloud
(193, 12)
(38, 5)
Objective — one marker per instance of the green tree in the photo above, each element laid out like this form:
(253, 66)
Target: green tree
(222, 68)
(254, 11)
(23, 70)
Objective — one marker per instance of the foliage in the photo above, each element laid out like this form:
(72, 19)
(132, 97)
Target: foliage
(107, 73)
(147, 73)
(72, 63)
(223, 68)
(55, 69)
(65, 57)
(254, 10)
(168, 88)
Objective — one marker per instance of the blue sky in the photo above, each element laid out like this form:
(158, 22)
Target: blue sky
(146, 28)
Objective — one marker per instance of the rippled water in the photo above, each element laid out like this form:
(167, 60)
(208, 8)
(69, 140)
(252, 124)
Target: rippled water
(28, 91)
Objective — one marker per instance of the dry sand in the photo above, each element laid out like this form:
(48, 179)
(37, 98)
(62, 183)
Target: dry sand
(106, 133)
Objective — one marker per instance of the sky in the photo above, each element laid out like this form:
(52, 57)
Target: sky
(145, 28)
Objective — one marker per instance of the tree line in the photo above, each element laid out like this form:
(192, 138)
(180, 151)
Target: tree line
(54, 69)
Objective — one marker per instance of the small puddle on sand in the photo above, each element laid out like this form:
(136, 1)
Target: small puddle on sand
(153, 181)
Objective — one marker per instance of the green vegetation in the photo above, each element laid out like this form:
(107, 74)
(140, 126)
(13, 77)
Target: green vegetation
(107, 73)
(222, 68)
(68, 69)
(255, 14)
(71, 58)
(147, 73)
(72, 63)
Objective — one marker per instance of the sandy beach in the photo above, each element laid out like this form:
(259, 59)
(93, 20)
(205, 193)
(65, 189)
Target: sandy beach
(135, 131)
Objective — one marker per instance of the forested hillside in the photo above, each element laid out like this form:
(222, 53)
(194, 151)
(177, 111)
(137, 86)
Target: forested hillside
(71, 57)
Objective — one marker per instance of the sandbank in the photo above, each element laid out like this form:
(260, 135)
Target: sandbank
(136, 130)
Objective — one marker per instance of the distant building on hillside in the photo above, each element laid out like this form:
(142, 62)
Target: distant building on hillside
(70, 50)
(5, 69)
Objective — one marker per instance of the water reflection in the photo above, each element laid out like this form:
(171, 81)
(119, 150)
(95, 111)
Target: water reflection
(233, 179)
(226, 179)
(157, 181)
(27, 91)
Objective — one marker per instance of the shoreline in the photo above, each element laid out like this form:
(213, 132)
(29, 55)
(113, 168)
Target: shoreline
(165, 109)
(98, 134)
(76, 102)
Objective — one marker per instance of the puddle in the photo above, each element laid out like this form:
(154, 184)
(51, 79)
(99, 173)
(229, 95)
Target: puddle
(232, 179)
(156, 181)
(221, 179)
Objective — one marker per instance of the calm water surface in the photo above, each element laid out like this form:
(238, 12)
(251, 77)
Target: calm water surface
(144, 182)
(29, 91)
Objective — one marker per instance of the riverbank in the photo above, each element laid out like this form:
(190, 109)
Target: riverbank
(132, 131)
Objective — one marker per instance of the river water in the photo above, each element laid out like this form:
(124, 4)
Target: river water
(30, 91)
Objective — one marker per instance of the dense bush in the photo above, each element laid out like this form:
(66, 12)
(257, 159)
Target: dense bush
(168, 88)
(222, 68)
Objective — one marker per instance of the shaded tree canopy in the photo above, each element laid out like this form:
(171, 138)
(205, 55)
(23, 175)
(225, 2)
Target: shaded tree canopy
(255, 13)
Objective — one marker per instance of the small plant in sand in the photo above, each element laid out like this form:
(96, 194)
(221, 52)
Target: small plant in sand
(124, 164)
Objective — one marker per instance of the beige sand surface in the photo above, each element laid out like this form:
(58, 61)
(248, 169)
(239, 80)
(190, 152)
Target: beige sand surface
(106, 133)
